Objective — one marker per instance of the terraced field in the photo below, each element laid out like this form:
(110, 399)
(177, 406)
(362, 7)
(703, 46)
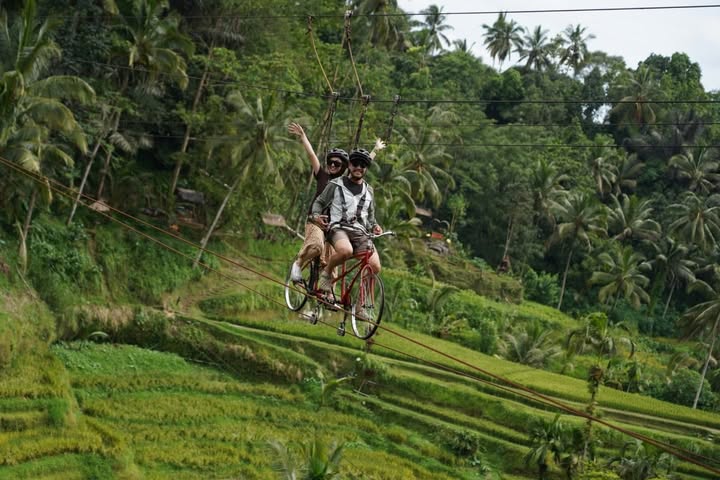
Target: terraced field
(241, 380)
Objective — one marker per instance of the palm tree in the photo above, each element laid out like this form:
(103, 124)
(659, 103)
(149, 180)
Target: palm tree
(635, 107)
(150, 46)
(530, 345)
(154, 43)
(424, 161)
(546, 183)
(602, 336)
(259, 127)
(636, 462)
(212, 25)
(697, 220)
(703, 320)
(384, 29)
(627, 170)
(621, 276)
(31, 110)
(461, 45)
(502, 37)
(537, 50)
(310, 461)
(580, 217)
(632, 219)
(549, 440)
(701, 172)
(573, 49)
(672, 264)
(604, 173)
(435, 23)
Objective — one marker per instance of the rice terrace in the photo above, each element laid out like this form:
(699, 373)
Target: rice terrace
(324, 240)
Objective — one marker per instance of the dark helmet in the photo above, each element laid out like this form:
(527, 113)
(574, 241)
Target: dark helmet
(337, 153)
(361, 155)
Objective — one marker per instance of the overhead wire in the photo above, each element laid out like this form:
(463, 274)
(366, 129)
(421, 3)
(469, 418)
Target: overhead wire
(461, 145)
(269, 16)
(676, 451)
(696, 101)
(483, 145)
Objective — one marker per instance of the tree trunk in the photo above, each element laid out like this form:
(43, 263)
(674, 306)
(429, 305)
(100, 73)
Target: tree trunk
(564, 278)
(108, 157)
(84, 180)
(105, 168)
(713, 334)
(617, 297)
(210, 230)
(22, 249)
(188, 127)
(667, 303)
(28, 217)
(508, 237)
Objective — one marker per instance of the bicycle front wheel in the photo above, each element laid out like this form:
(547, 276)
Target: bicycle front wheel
(296, 292)
(368, 302)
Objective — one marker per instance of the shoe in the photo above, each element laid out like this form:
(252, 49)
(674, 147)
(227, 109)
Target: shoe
(325, 282)
(296, 273)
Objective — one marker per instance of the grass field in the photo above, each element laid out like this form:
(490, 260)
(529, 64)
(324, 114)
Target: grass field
(202, 394)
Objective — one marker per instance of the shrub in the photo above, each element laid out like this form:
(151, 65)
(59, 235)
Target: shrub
(541, 287)
(464, 443)
(683, 387)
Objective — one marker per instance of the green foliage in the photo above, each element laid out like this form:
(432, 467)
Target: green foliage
(682, 387)
(60, 265)
(597, 472)
(541, 287)
(464, 443)
(243, 302)
(142, 270)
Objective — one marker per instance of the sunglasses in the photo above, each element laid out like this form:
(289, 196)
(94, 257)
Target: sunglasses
(358, 163)
(334, 163)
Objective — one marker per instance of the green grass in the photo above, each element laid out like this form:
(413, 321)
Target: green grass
(196, 422)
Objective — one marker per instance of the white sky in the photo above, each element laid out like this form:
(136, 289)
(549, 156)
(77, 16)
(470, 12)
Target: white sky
(633, 35)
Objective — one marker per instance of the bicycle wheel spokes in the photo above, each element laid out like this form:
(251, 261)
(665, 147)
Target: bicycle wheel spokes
(368, 302)
(295, 292)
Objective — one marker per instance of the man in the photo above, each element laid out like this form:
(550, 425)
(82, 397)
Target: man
(336, 163)
(351, 205)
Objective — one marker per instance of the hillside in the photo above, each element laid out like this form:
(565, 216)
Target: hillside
(260, 375)
(552, 287)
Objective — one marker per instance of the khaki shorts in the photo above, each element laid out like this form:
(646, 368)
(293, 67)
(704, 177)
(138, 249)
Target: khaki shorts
(359, 241)
(314, 245)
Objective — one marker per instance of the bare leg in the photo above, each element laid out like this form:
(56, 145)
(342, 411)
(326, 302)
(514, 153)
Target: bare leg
(374, 262)
(343, 251)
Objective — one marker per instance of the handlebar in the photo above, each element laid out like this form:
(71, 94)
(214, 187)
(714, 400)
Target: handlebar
(388, 233)
(370, 235)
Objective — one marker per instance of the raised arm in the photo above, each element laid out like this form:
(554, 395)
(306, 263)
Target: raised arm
(298, 131)
(379, 145)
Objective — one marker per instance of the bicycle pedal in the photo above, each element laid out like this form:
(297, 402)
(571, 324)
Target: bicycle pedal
(341, 330)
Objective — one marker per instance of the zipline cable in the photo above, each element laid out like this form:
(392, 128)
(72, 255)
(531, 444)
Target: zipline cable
(331, 90)
(393, 113)
(348, 42)
(677, 451)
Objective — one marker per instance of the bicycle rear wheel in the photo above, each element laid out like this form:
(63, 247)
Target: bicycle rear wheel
(367, 304)
(296, 292)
